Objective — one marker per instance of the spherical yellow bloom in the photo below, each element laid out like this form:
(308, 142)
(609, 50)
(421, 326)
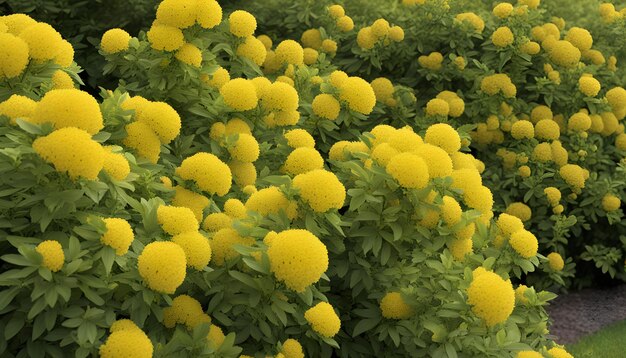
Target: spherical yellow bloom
(189, 54)
(52, 254)
(326, 106)
(616, 97)
(383, 89)
(580, 38)
(336, 11)
(438, 161)
(323, 319)
(218, 78)
(176, 219)
(540, 112)
(239, 94)
(358, 94)
(280, 96)
(520, 296)
(237, 126)
(246, 149)
(383, 153)
(162, 119)
(462, 246)
(83, 158)
(519, 210)
(127, 343)
(559, 154)
(529, 354)
(558, 352)
(477, 23)
(620, 140)
(208, 13)
(443, 136)
(321, 190)
(579, 122)
(503, 10)
(573, 175)
(437, 107)
(610, 123)
(466, 179)
(241, 23)
(61, 80)
(292, 349)
(310, 56)
(312, 38)
(432, 61)
(302, 160)
(365, 38)
(143, 139)
(184, 310)
(589, 86)
(345, 23)
(235, 208)
(208, 171)
(555, 261)
(16, 23)
(163, 266)
(266, 41)
(380, 28)
(508, 224)
(137, 104)
(502, 37)
(244, 173)
(530, 48)
(115, 164)
(524, 243)
(553, 194)
(329, 46)
(296, 138)
(65, 56)
(462, 161)
(194, 201)
(547, 129)
(215, 337)
(44, 42)
(69, 108)
(223, 243)
(611, 202)
(492, 298)
(123, 325)
(177, 13)
(532, 4)
(165, 38)
(542, 152)
(383, 133)
(522, 129)
(16, 107)
(393, 306)
(297, 258)
(563, 53)
(119, 235)
(216, 221)
(499, 82)
(456, 104)
(451, 210)
(524, 171)
(410, 170)
(290, 52)
(114, 41)
(196, 247)
(271, 201)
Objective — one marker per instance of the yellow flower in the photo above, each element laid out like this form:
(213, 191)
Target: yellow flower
(522, 129)
(119, 235)
(235, 208)
(123, 325)
(443, 136)
(217, 78)
(44, 42)
(573, 175)
(312, 38)
(383, 89)
(547, 129)
(502, 37)
(189, 54)
(404, 139)
(380, 28)
(252, 49)
(143, 139)
(396, 33)
(177, 13)
(461, 247)
(558, 352)
(329, 46)
(162, 119)
(611, 202)
(189, 199)
(529, 354)
(271, 201)
(393, 306)
(114, 41)
(410, 170)
(336, 11)
(184, 310)
(563, 53)
(292, 349)
(520, 295)
(326, 106)
(321, 189)
(524, 243)
(579, 122)
(620, 140)
(530, 48)
(479, 198)
(477, 23)
(69, 108)
(456, 104)
(499, 82)
(438, 161)
(237, 126)
(246, 148)
(280, 96)
(241, 23)
(266, 40)
(432, 61)
(492, 298)
(61, 80)
(589, 86)
(165, 38)
(244, 173)
(553, 194)
(365, 38)
(223, 243)
(532, 4)
(290, 52)
(239, 94)
(519, 210)
(17, 106)
(451, 210)
(83, 158)
(216, 221)
(323, 319)
(437, 107)
(208, 171)
(302, 160)
(542, 152)
(555, 261)
(508, 224)
(580, 38)
(383, 153)
(196, 247)
(128, 342)
(215, 337)
(65, 56)
(297, 258)
(176, 219)
(503, 10)
(163, 266)
(208, 13)
(358, 94)
(296, 138)
(52, 254)
(345, 23)
(17, 22)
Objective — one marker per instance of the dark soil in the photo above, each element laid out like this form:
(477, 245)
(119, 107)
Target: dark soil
(581, 313)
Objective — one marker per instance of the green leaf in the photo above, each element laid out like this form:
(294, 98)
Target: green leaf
(365, 325)
(14, 326)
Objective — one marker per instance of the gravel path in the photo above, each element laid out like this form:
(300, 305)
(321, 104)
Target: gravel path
(580, 313)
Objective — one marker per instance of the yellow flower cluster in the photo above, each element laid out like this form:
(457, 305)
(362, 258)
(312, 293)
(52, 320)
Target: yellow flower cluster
(502, 10)
(163, 266)
(182, 14)
(589, 86)
(393, 306)
(271, 201)
(165, 38)
(184, 310)
(216, 221)
(239, 94)
(379, 32)
(499, 82)
(83, 158)
(547, 129)
(432, 62)
(524, 243)
(69, 108)
(523, 129)
(14, 55)
(358, 94)
(437, 107)
(296, 138)
(189, 199)
(175, 220)
(289, 52)
(472, 19)
(223, 243)
(245, 149)
(281, 101)
(502, 37)
(292, 349)
(141, 138)
(321, 190)
(323, 319)
(297, 258)
(326, 106)
(574, 176)
(558, 352)
(119, 235)
(196, 247)
(44, 42)
(16, 107)
(410, 170)
(115, 164)
(456, 105)
(126, 340)
(492, 299)
(443, 136)
(208, 172)
(52, 254)
(519, 210)
(302, 160)
(235, 208)
(253, 49)
(189, 54)
(611, 202)
(114, 41)
(563, 53)
(555, 261)
(244, 174)
(241, 23)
